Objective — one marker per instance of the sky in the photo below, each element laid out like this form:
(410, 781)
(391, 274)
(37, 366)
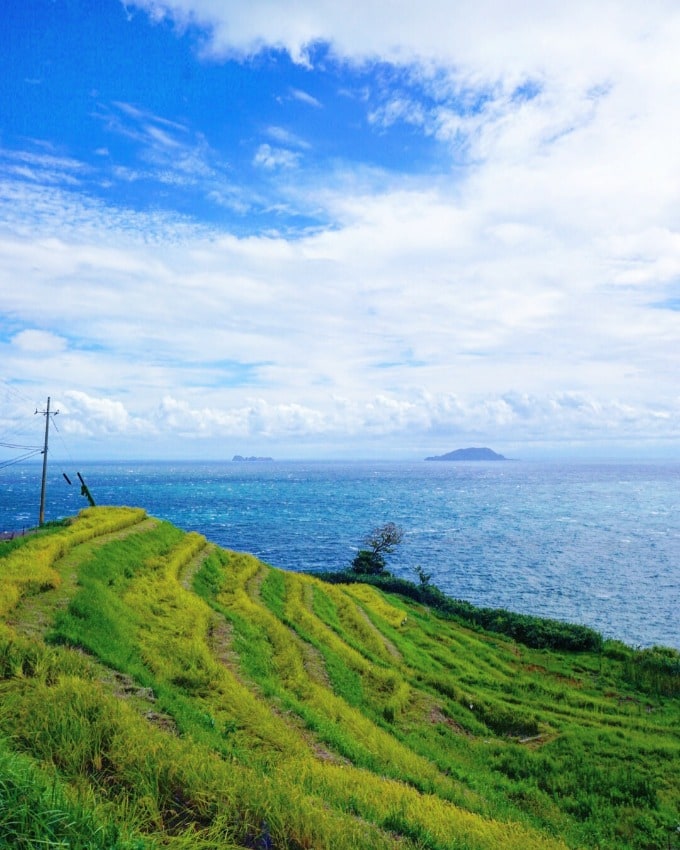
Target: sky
(332, 230)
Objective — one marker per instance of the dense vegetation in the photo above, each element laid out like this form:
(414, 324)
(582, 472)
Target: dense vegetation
(157, 691)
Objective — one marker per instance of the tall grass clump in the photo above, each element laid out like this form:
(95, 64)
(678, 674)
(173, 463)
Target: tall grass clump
(655, 670)
(36, 811)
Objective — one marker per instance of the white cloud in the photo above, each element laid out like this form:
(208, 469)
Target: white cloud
(86, 415)
(270, 157)
(423, 419)
(306, 98)
(147, 118)
(398, 109)
(42, 168)
(170, 152)
(38, 342)
(485, 40)
(44, 161)
(286, 137)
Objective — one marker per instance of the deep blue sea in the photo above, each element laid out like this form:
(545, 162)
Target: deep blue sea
(597, 544)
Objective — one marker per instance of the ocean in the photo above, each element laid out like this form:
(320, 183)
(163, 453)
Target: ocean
(597, 544)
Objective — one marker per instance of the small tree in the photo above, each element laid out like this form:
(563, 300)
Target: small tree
(423, 577)
(382, 541)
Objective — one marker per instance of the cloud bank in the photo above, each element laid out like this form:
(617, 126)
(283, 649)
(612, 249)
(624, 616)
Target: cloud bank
(524, 288)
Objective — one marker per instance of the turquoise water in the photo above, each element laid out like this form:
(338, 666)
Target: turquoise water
(597, 544)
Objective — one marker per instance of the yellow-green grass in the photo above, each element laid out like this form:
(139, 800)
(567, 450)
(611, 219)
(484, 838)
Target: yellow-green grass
(30, 568)
(186, 696)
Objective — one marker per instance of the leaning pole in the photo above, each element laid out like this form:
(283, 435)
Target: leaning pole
(41, 518)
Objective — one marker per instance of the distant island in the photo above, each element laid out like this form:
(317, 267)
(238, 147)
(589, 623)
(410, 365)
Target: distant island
(469, 454)
(252, 459)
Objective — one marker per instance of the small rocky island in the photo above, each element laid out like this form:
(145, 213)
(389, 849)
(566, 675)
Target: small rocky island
(469, 454)
(252, 459)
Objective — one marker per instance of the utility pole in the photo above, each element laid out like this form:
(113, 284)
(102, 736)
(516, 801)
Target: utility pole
(46, 414)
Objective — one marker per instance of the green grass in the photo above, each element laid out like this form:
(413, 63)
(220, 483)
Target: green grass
(36, 811)
(179, 695)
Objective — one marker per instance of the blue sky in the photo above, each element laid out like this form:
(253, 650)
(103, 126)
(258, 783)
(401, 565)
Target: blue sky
(332, 230)
(147, 124)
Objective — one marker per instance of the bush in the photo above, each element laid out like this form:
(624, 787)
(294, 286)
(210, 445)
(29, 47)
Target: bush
(368, 563)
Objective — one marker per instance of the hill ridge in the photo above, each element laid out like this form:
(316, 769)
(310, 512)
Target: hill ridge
(181, 693)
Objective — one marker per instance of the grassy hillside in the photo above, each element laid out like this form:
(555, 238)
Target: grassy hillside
(157, 691)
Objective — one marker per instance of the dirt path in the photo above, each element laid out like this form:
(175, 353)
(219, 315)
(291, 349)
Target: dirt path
(34, 615)
(188, 571)
(386, 642)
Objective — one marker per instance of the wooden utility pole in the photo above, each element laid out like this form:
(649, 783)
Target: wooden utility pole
(41, 518)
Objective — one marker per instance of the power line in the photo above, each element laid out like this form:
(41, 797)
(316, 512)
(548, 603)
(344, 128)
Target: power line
(27, 450)
(15, 425)
(17, 446)
(5, 463)
(17, 429)
(61, 440)
(21, 396)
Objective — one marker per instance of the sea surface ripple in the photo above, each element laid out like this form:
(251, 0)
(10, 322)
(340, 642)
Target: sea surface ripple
(597, 544)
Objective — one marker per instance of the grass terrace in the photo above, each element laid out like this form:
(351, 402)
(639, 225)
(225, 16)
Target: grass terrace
(159, 692)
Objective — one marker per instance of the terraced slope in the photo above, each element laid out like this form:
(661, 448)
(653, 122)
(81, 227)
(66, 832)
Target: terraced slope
(156, 691)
